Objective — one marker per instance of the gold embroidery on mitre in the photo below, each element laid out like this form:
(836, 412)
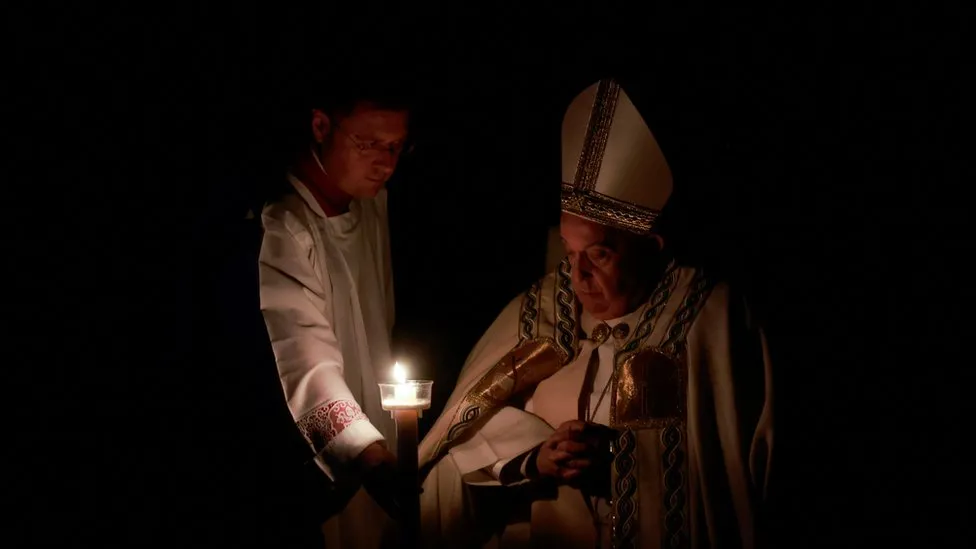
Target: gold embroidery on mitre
(649, 392)
(597, 133)
(607, 210)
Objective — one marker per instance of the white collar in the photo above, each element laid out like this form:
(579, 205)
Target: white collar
(306, 195)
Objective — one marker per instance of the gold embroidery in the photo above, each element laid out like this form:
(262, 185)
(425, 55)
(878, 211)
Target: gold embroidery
(567, 314)
(649, 392)
(699, 289)
(529, 313)
(675, 484)
(625, 526)
(597, 132)
(608, 210)
(520, 369)
(657, 303)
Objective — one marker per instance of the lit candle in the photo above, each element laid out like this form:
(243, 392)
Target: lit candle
(406, 400)
(404, 393)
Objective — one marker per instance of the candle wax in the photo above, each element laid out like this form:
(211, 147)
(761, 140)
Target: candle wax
(405, 404)
(404, 392)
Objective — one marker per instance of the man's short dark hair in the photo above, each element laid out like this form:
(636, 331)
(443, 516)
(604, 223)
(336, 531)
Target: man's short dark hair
(337, 93)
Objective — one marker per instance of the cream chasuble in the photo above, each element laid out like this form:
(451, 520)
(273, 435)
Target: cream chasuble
(691, 402)
(689, 399)
(327, 300)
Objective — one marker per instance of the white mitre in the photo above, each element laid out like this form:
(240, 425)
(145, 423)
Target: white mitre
(614, 172)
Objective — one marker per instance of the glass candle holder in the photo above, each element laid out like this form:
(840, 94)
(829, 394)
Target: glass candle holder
(412, 394)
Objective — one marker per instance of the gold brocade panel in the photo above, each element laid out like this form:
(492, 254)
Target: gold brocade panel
(518, 371)
(649, 391)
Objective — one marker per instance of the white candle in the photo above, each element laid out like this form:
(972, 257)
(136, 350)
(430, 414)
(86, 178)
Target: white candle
(405, 394)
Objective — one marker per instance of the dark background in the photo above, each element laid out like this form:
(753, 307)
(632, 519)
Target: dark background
(815, 153)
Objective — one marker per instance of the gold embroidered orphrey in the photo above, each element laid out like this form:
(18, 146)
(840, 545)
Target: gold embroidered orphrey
(649, 392)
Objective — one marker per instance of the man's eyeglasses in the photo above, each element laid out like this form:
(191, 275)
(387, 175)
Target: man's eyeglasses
(374, 148)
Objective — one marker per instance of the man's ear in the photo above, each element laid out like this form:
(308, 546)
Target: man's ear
(321, 126)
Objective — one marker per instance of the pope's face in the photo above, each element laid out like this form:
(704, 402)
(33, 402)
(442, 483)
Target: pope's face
(605, 272)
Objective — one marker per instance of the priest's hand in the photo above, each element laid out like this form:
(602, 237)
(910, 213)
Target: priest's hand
(377, 466)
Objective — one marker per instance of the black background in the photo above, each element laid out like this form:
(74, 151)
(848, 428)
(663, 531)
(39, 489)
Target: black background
(815, 152)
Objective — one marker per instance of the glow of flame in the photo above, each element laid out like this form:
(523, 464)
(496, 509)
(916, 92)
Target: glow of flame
(399, 373)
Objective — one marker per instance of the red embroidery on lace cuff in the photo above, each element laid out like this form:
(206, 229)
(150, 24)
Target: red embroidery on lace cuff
(323, 424)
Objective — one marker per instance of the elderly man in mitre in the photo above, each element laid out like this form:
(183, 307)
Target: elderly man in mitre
(623, 400)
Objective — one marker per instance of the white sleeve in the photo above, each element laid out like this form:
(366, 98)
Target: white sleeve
(507, 435)
(306, 350)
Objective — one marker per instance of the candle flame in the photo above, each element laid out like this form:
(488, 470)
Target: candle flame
(399, 373)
